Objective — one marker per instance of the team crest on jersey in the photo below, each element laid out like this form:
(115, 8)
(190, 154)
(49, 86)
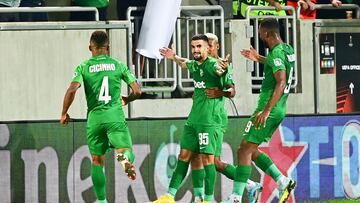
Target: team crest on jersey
(75, 74)
(277, 62)
(201, 73)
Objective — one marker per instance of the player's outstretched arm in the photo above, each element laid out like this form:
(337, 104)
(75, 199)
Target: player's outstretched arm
(135, 94)
(170, 54)
(253, 55)
(68, 100)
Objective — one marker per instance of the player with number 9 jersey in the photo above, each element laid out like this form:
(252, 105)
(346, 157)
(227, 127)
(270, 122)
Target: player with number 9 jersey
(281, 57)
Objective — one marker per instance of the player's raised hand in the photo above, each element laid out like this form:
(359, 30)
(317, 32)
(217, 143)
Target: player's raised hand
(214, 92)
(224, 63)
(250, 54)
(64, 119)
(167, 53)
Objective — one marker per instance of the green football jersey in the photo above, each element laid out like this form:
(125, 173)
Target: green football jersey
(205, 111)
(101, 76)
(94, 3)
(280, 57)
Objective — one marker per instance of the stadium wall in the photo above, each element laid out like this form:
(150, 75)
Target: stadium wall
(40, 63)
(39, 66)
(42, 161)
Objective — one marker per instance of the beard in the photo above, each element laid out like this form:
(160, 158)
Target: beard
(197, 56)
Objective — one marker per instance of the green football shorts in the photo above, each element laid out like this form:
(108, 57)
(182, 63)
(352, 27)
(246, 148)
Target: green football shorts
(101, 137)
(199, 139)
(258, 136)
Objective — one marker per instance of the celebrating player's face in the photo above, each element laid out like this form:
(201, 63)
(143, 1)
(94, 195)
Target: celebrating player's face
(199, 49)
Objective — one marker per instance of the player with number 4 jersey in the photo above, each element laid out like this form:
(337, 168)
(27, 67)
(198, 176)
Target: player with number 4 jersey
(101, 76)
(106, 127)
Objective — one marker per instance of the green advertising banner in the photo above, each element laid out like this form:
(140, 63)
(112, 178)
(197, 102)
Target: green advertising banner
(47, 162)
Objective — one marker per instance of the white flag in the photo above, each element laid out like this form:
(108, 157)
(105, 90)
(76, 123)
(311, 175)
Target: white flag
(157, 27)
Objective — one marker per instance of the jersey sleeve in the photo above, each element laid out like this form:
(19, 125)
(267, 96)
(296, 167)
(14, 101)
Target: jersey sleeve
(77, 77)
(127, 76)
(215, 68)
(229, 76)
(190, 64)
(277, 61)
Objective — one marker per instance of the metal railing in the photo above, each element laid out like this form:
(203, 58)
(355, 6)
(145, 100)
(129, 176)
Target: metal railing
(288, 30)
(152, 74)
(163, 76)
(331, 7)
(50, 9)
(192, 25)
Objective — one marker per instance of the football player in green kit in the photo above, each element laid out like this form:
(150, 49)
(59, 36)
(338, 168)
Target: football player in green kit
(106, 127)
(227, 169)
(201, 129)
(270, 111)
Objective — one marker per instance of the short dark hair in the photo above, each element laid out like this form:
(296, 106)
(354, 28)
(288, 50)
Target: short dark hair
(200, 37)
(270, 24)
(99, 38)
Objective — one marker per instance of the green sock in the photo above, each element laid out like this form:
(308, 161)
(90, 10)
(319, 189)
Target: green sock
(99, 181)
(210, 177)
(229, 171)
(264, 162)
(129, 155)
(178, 176)
(243, 173)
(197, 177)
